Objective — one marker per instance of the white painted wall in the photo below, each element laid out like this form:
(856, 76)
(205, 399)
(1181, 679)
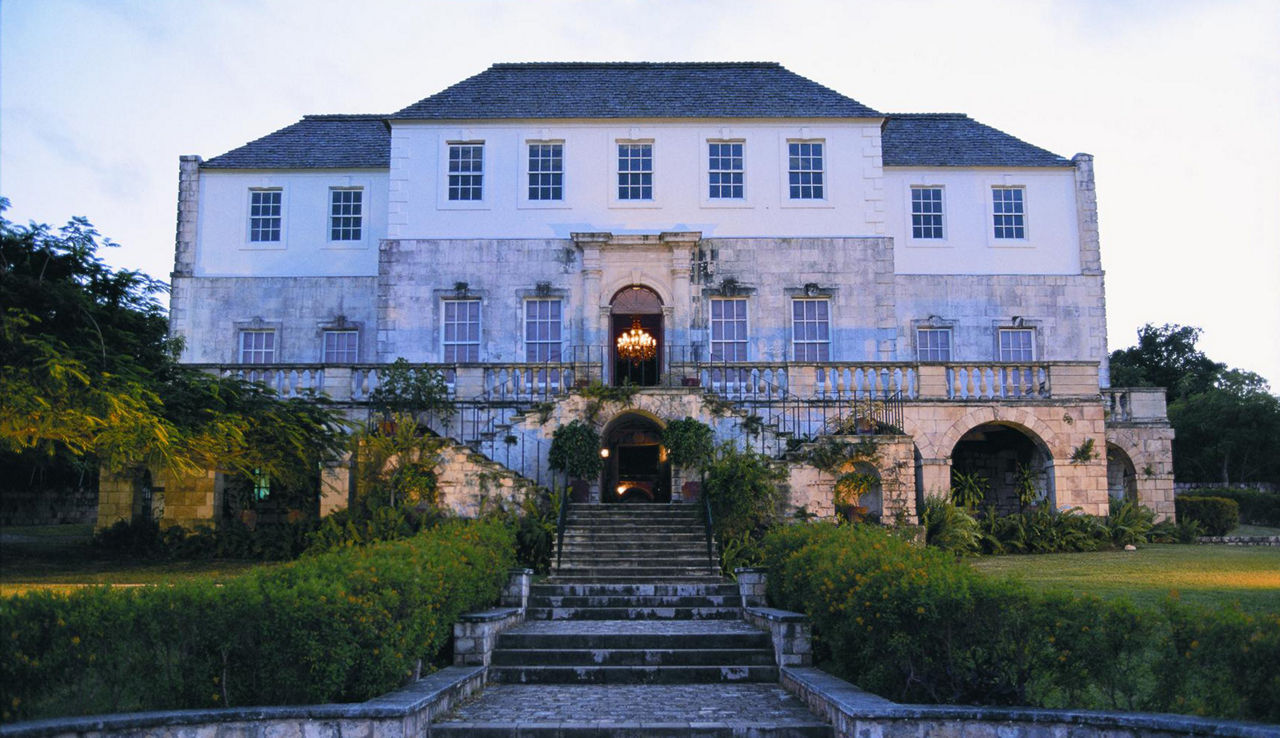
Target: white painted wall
(419, 207)
(223, 248)
(1052, 244)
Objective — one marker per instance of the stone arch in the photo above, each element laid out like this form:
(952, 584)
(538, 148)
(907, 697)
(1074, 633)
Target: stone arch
(1023, 420)
(1013, 466)
(636, 468)
(1122, 476)
(643, 279)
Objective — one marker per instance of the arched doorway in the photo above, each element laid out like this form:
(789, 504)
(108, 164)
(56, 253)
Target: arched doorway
(1011, 466)
(636, 468)
(635, 307)
(1122, 479)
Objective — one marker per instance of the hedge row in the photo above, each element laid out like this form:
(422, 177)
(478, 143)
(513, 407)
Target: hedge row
(337, 627)
(916, 625)
(1217, 516)
(1256, 507)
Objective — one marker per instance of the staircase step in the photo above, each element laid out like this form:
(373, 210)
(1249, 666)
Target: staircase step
(631, 674)
(719, 588)
(648, 728)
(634, 657)
(625, 579)
(634, 601)
(633, 613)
(632, 641)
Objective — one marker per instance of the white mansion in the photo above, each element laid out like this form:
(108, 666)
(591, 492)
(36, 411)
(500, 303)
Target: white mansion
(803, 264)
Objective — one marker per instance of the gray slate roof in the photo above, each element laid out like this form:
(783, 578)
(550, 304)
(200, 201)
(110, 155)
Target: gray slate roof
(956, 140)
(316, 142)
(636, 90)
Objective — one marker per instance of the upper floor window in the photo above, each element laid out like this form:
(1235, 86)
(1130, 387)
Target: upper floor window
(1017, 345)
(1008, 212)
(635, 171)
(933, 344)
(546, 171)
(926, 212)
(265, 218)
(461, 342)
(811, 330)
(728, 329)
(542, 330)
(805, 170)
(724, 170)
(466, 171)
(346, 214)
(341, 347)
(258, 347)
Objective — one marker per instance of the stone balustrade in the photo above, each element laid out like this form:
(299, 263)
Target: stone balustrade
(1135, 404)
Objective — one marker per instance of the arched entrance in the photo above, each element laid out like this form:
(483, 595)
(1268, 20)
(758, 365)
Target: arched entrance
(636, 469)
(1010, 465)
(635, 307)
(1122, 479)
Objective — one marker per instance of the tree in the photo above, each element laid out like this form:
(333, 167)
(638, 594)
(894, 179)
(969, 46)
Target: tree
(1165, 357)
(90, 377)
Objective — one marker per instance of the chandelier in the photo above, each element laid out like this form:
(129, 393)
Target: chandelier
(636, 344)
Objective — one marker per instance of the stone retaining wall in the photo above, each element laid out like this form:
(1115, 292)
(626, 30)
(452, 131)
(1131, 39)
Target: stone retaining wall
(1240, 540)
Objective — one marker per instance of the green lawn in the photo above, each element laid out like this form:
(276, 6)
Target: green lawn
(60, 557)
(1215, 576)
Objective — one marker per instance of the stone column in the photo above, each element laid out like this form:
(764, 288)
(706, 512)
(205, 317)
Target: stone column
(184, 251)
(936, 475)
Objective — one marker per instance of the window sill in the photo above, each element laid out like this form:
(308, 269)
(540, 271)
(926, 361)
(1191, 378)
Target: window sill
(263, 246)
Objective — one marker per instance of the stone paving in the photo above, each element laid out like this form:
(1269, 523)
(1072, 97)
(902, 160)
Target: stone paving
(744, 704)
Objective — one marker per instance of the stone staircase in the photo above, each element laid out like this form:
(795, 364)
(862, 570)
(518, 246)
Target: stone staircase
(634, 600)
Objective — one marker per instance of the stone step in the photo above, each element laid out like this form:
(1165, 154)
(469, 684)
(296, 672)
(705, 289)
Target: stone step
(719, 588)
(640, 640)
(639, 572)
(631, 674)
(635, 657)
(625, 579)
(633, 613)
(647, 728)
(619, 562)
(733, 600)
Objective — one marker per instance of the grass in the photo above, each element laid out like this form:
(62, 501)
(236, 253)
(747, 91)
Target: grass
(1213, 576)
(62, 557)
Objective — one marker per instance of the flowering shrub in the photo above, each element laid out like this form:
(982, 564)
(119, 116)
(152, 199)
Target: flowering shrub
(916, 625)
(343, 626)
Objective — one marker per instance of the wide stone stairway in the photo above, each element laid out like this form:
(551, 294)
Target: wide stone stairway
(635, 633)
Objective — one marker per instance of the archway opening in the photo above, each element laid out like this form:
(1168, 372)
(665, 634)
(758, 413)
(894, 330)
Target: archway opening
(636, 468)
(1006, 468)
(1122, 479)
(636, 308)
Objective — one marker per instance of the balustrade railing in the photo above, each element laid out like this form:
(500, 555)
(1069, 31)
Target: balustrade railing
(865, 380)
(997, 381)
(1135, 404)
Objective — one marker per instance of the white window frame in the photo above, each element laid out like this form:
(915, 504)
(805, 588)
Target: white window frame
(356, 217)
(266, 354)
(445, 344)
(1020, 216)
(278, 241)
(1005, 353)
(479, 184)
(942, 225)
(528, 174)
(743, 342)
(932, 349)
(326, 357)
(615, 186)
(818, 343)
(531, 320)
(711, 172)
(823, 172)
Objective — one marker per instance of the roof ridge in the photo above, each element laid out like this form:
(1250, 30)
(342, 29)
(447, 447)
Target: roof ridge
(928, 115)
(635, 64)
(345, 116)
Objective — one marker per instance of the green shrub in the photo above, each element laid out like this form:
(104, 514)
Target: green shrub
(917, 625)
(341, 627)
(1129, 523)
(689, 442)
(743, 490)
(1217, 515)
(949, 527)
(575, 450)
(1256, 507)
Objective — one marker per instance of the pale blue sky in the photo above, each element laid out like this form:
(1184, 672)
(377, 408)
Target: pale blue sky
(1178, 101)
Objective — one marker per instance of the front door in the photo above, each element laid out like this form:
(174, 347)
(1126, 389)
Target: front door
(636, 308)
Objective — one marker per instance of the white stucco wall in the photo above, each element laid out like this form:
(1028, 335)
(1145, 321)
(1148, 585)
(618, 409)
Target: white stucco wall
(223, 248)
(1052, 241)
(419, 207)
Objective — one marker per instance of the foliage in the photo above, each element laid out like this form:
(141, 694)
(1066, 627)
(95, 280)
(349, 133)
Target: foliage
(1256, 507)
(1084, 453)
(850, 487)
(948, 527)
(743, 489)
(1165, 357)
(403, 390)
(338, 627)
(1042, 530)
(89, 376)
(689, 442)
(1129, 523)
(741, 552)
(599, 393)
(396, 465)
(1217, 515)
(575, 450)
(832, 454)
(916, 625)
(968, 490)
(1025, 486)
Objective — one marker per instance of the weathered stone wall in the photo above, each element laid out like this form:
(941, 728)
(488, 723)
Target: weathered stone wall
(1150, 448)
(814, 490)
